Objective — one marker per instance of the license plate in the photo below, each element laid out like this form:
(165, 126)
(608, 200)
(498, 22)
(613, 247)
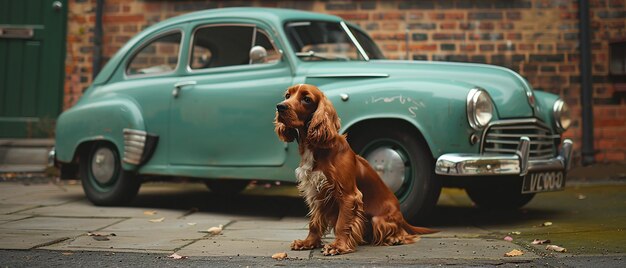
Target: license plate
(547, 181)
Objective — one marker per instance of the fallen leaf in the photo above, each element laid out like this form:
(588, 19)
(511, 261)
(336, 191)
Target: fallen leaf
(157, 220)
(508, 238)
(515, 233)
(99, 236)
(67, 253)
(279, 256)
(150, 212)
(540, 242)
(191, 223)
(548, 223)
(581, 197)
(215, 230)
(514, 253)
(556, 248)
(176, 256)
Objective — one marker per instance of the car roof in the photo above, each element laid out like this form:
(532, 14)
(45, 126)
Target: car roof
(274, 16)
(278, 15)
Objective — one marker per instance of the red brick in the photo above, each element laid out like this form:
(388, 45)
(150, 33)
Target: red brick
(353, 16)
(424, 47)
(122, 18)
(447, 25)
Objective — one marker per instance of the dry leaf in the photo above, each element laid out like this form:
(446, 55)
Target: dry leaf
(548, 223)
(150, 212)
(191, 223)
(515, 233)
(279, 256)
(157, 220)
(514, 253)
(582, 197)
(176, 256)
(67, 253)
(540, 242)
(508, 238)
(100, 237)
(215, 230)
(556, 248)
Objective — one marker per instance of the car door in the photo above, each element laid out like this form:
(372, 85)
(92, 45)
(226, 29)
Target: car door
(223, 110)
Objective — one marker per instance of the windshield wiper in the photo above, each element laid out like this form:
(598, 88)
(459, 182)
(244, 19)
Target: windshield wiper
(313, 54)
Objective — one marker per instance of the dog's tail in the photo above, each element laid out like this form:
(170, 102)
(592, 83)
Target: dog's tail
(417, 230)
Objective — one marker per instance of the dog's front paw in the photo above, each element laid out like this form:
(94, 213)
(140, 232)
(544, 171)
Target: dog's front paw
(305, 244)
(336, 248)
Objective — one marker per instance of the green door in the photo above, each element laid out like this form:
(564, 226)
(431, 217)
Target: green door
(32, 54)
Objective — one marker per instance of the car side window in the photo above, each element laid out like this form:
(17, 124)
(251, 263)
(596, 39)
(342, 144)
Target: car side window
(158, 56)
(229, 45)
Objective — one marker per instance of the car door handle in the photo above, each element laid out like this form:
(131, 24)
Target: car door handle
(178, 86)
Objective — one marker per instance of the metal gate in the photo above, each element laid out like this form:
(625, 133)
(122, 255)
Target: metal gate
(32, 54)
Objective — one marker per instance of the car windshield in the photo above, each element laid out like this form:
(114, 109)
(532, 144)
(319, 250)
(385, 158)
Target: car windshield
(322, 40)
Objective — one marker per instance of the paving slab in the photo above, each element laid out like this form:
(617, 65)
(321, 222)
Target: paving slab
(12, 217)
(181, 226)
(62, 224)
(270, 225)
(262, 235)
(84, 208)
(27, 239)
(250, 247)
(435, 248)
(13, 208)
(138, 241)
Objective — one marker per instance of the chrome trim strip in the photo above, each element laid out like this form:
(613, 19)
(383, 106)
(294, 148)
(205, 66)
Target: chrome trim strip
(501, 164)
(510, 124)
(348, 75)
(52, 157)
(356, 43)
(134, 144)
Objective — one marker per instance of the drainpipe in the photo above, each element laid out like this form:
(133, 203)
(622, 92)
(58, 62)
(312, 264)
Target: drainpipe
(586, 90)
(97, 39)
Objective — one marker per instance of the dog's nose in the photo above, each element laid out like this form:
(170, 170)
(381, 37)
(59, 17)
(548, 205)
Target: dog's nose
(281, 107)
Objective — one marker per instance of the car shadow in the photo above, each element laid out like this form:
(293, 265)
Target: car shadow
(261, 204)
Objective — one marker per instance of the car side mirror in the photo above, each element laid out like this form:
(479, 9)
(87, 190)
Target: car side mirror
(258, 54)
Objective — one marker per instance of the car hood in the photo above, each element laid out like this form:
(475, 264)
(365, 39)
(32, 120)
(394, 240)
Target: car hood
(508, 89)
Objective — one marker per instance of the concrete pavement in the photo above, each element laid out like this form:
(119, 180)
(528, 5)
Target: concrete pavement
(166, 218)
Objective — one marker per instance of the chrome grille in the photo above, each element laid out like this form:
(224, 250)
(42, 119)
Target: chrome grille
(502, 137)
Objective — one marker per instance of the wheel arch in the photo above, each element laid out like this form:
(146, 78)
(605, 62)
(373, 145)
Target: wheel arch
(364, 123)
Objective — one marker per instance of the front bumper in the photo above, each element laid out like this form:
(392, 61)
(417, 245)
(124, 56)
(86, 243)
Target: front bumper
(503, 164)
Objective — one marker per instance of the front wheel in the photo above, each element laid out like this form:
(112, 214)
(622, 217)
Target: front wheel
(499, 193)
(104, 180)
(404, 163)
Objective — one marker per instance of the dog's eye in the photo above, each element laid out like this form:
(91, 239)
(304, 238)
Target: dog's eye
(287, 96)
(307, 100)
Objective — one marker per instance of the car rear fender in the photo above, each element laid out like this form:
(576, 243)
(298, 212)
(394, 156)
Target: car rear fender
(104, 120)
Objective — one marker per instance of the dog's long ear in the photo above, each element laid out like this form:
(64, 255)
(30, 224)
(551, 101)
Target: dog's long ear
(324, 124)
(284, 133)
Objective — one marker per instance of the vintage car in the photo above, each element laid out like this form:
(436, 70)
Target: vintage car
(195, 96)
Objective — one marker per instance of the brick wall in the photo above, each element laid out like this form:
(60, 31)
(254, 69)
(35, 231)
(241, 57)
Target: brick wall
(537, 38)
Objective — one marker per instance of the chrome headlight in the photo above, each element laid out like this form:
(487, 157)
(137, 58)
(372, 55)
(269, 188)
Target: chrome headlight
(561, 115)
(479, 108)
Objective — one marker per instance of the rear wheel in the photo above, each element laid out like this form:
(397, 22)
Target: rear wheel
(104, 180)
(499, 193)
(404, 163)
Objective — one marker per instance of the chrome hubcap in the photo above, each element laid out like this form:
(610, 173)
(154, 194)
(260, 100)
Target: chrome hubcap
(389, 165)
(103, 165)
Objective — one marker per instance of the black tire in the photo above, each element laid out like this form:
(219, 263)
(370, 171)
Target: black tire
(104, 180)
(226, 187)
(419, 194)
(499, 193)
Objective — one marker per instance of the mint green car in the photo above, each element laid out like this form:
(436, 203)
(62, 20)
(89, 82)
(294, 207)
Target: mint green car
(194, 96)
